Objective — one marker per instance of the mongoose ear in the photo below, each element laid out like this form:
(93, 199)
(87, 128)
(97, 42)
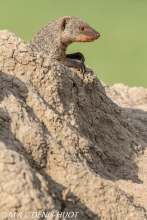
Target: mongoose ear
(63, 23)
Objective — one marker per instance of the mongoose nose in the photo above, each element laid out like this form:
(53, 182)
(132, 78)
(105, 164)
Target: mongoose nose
(97, 35)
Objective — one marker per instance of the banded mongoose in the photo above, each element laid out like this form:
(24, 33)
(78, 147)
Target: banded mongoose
(55, 37)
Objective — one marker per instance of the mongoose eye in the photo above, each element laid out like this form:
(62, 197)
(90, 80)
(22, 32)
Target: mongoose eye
(82, 28)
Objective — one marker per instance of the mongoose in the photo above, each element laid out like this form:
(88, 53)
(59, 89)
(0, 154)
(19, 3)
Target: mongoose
(55, 37)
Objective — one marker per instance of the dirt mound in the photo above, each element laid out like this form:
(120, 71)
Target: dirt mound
(65, 145)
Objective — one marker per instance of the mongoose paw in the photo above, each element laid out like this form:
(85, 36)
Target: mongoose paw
(77, 56)
(72, 63)
(81, 67)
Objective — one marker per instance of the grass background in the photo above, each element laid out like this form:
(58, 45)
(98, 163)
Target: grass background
(118, 56)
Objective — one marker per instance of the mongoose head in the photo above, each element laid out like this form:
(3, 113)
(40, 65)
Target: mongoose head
(76, 30)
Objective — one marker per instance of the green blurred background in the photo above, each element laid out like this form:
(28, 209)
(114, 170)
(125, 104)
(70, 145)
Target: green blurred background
(118, 56)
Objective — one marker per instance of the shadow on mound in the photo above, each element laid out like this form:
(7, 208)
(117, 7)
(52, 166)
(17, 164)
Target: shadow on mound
(113, 143)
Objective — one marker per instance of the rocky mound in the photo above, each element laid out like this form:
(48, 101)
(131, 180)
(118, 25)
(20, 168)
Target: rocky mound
(66, 147)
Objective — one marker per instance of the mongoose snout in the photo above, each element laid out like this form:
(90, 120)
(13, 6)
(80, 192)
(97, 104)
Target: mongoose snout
(88, 36)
